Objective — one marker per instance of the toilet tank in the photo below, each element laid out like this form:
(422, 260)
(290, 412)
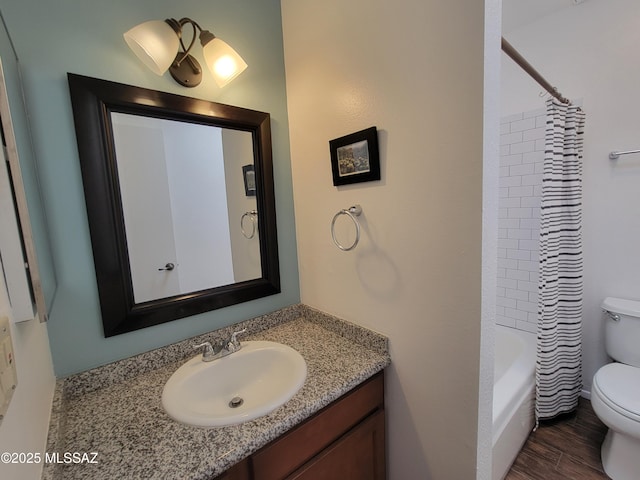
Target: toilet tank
(622, 335)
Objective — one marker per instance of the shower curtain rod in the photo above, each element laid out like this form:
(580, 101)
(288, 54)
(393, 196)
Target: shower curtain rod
(526, 66)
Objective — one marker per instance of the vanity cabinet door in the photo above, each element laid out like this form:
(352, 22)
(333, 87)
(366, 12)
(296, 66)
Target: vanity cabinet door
(359, 455)
(314, 437)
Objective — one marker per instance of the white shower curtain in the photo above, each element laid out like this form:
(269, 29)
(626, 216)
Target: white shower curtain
(559, 365)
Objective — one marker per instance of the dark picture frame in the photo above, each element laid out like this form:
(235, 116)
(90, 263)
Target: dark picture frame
(249, 176)
(355, 157)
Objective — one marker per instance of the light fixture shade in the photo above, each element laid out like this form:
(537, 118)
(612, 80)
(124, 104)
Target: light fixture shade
(155, 43)
(223, 61)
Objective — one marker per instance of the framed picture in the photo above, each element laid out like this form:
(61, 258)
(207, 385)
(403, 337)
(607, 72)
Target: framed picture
(355, 157)
(249, 176)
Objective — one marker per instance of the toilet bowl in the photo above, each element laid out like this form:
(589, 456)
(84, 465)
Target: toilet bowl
(615, 394)
(615, 397)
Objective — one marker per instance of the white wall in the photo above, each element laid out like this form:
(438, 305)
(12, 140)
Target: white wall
(416, 275)
(195, 165)
(238, 151)
(490, 203)
(26, 424)
(590, 52)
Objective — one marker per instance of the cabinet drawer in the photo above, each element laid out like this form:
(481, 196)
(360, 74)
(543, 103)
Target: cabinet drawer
(286, 454)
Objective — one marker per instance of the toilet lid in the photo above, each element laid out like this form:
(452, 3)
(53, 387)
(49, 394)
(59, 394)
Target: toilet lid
(620, 384)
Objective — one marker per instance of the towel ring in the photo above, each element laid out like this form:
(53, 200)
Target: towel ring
(252, 217)
(352, 213)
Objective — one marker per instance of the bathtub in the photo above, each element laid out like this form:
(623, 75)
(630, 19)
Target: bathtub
(513, 395)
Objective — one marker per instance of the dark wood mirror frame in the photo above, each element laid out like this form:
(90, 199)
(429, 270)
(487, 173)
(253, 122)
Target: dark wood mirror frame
(93, 101)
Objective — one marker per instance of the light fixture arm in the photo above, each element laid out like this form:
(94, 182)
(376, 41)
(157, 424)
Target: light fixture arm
(205, 35)
(177, 27)
(185, 69)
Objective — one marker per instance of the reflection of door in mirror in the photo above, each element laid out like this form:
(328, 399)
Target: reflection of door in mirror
(178, 185)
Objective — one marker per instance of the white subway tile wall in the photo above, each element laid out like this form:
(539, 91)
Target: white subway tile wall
(521, 164)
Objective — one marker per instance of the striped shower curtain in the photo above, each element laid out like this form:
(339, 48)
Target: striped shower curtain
(559, 364)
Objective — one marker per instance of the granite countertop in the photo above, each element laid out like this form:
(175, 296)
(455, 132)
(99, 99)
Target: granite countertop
(115, 411)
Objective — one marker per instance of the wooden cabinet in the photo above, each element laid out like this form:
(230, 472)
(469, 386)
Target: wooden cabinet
(359, 455)
(240, 471)
(346, 439)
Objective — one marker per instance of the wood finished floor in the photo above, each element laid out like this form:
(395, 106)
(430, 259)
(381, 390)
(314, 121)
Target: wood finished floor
(566, 448)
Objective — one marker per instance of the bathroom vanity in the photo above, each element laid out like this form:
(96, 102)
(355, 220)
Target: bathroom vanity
(332, 428)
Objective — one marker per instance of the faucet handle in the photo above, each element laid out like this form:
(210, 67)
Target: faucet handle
(207, 349)
(233, 341)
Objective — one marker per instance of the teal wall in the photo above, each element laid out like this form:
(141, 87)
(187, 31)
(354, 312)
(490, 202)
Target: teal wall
(85, 37)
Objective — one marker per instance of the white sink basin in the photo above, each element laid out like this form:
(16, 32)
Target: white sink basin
(261, 376)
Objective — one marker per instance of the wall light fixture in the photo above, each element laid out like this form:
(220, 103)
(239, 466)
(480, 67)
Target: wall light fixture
(159, 45)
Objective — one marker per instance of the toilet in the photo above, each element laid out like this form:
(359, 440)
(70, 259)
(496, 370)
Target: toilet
(615, 394)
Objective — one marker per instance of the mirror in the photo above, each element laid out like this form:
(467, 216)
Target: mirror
(180, 202)
(188, 223)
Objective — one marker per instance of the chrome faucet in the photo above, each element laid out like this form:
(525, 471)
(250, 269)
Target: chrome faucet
(221, 348)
